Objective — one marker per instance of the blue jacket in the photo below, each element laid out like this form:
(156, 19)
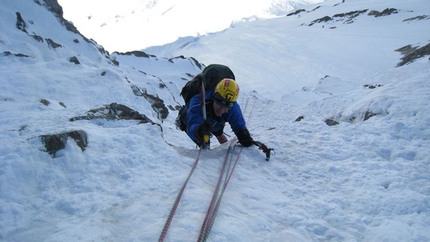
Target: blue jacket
(194, 117)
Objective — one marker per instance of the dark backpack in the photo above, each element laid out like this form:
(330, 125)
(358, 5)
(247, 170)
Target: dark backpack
(211, 75)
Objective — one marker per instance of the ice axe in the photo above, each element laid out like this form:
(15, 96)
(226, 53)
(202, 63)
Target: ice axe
(264, 148)
(206, 138)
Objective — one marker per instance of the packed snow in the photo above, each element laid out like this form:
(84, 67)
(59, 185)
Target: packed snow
(364, 177)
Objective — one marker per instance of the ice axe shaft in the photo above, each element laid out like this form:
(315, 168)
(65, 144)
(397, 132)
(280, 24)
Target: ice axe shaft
(206, 138)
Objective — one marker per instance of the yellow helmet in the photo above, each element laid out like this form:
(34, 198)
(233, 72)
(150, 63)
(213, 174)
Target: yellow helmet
(227, 89)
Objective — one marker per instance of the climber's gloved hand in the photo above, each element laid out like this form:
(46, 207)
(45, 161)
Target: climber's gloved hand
(245, 138)
(203, 134)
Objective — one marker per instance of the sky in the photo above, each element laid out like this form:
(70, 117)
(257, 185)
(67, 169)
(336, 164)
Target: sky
(139, 24)
(364, 179)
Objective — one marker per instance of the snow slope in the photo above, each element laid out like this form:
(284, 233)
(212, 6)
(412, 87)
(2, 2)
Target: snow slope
(364, 179)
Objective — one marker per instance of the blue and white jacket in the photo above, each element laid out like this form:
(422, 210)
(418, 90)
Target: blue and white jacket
(194, 117)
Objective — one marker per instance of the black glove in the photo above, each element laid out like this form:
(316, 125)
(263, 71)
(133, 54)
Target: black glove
(203, 133)
(245, 138)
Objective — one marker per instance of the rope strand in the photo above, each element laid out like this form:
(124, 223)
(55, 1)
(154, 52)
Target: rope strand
(226, 173)
(215, 203)
(178, 198)
(218, 194)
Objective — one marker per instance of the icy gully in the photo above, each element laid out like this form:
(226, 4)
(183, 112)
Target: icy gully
(224, 177)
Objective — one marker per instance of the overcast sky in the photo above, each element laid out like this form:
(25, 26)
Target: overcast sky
(143, 23)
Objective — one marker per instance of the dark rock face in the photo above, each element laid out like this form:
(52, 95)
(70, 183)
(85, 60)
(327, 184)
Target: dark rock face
(386, 12)
(56, 142)
(54, 7)
(114, 111)
(331, 122)
(412, 53)
(52, 44)
(156, 102)
(346, 18)
(75, 60)
(20, 23)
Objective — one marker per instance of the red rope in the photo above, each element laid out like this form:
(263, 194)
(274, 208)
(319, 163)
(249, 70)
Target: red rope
(217, 196)
(178, 198)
